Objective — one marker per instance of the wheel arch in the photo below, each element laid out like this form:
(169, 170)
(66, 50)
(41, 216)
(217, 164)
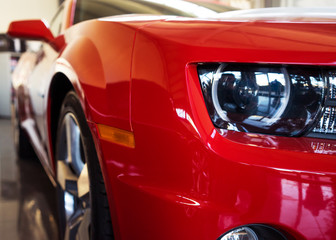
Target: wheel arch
(59, 87)
(103, 89)
(74, 71)
(64, 81)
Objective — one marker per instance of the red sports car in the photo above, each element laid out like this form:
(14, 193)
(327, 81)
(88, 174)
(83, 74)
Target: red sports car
(163, 120)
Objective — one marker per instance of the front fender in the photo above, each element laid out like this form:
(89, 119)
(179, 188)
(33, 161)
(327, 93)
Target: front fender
(100, 55)
(81, 63)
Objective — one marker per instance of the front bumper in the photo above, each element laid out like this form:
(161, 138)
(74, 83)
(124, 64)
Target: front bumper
(190, 189)
(185, 179)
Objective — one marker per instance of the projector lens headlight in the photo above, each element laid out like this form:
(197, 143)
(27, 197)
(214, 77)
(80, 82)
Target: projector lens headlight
(271, 99)
(253, 232)
(243, 233)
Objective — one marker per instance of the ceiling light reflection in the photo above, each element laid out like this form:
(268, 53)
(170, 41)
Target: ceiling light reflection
(188, 7)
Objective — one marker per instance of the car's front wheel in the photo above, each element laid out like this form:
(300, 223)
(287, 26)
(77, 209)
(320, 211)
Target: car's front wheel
(83, 206)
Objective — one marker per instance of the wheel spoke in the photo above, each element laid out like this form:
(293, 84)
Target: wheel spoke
(67, 123)
(83, 183)
(73, 223)
(73, 139)
(84, 227)
(73, 177)
(78, 226)
(76, 156)
(66, 178)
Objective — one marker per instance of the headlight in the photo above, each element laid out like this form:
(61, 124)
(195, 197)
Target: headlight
(253, 232)
(270, 99)
(326, 127)
(243, 233)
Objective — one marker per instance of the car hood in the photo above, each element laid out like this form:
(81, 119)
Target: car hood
(263, 35)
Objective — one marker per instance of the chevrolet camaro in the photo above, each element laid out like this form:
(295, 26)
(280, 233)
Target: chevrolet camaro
(167, 120)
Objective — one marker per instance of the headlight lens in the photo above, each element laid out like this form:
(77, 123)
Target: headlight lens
(271, 99)
(243, 233)
(326, 127)
(253, 232)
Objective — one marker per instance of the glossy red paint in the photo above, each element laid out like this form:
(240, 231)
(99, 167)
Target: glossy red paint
(32, 29)
(35, 30)
(109, 81)
(208, 178)
(185, 179)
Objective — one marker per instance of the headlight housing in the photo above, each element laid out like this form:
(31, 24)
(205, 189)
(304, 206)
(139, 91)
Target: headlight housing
(253, 232)
(260, 98)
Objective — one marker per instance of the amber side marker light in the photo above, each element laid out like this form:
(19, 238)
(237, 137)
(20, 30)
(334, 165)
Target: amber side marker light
(115, 135)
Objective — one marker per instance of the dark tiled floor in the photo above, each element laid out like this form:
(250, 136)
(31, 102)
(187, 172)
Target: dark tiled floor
(27, 198)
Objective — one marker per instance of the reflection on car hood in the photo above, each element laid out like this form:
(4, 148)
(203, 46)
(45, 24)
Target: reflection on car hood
(137, 18)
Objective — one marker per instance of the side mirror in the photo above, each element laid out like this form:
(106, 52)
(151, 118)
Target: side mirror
(31, 30)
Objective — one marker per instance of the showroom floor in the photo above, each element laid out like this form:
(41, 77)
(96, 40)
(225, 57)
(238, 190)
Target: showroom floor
(27, 202)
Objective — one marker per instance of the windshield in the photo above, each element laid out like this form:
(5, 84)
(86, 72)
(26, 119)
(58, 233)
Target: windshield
(91, 9)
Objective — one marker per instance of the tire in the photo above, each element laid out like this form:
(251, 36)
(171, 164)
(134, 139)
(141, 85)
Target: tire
(23, 147)
(82, 200)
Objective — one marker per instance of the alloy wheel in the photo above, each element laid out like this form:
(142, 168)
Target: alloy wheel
(73, 177)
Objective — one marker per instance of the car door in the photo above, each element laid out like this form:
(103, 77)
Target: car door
(38, 85)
